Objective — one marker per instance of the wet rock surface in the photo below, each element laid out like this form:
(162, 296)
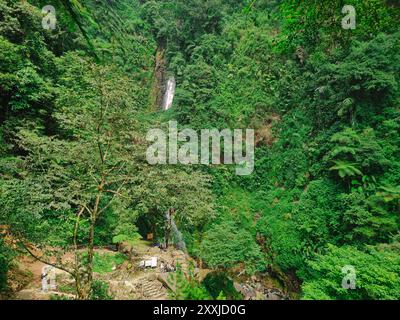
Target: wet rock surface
(255, 290)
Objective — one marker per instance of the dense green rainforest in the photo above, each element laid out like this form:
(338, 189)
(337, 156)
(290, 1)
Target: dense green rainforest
(77, 101)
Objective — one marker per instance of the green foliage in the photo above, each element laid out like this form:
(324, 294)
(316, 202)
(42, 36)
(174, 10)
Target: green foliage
(65, 288)
(4, 265)
(390, 193)
(226, 245)
(367, 219)
(345, 169)
(377, 275)
(100, 291)
(186, 286)
(126, 230)
(220, 286)
(324, 102)
(104, 263)
(312, 24)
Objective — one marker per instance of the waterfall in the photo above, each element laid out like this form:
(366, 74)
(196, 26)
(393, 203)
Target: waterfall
(169, 94)
(177, 236)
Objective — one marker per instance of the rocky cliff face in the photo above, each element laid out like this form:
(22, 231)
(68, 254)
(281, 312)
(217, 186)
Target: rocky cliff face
(157, 92)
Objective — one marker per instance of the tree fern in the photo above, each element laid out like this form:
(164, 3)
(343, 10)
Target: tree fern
(345, 169)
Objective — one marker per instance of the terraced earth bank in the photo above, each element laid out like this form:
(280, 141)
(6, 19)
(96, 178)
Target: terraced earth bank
(127, 280)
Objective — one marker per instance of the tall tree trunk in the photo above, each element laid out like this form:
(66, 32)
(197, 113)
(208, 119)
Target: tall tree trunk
(84, 287)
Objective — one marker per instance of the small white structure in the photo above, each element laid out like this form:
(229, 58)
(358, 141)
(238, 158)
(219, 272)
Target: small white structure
(152, 263)
(48, 278)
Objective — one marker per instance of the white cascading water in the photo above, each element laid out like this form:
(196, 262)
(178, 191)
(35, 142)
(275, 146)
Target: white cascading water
(169, 94)
(177, 236)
